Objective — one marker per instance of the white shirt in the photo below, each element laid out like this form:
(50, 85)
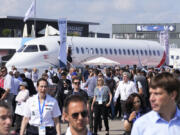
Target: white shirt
(139, 85)
(8, 82)
(27, 74)
(68, 132)
(21, 98)
(22, 95)
(124, 90)
(51, 110)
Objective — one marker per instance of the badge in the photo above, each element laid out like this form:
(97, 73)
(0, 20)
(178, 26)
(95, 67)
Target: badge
(42, 130)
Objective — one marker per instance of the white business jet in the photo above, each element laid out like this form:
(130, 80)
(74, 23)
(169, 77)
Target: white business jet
(44, 51)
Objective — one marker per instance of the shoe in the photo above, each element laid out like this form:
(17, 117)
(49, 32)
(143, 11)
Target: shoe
(107, 133)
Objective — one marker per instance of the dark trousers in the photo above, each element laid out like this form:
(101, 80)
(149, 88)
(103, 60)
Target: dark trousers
(90, 113)
(123, 107)
(32, 130)
(100, 110)
(118, 108)
(18, 122)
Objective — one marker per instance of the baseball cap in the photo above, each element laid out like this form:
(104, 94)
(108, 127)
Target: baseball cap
(23, 84)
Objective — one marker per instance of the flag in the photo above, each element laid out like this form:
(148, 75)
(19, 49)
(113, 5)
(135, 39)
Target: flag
(164, 41)
(62, 23)
(30, 12)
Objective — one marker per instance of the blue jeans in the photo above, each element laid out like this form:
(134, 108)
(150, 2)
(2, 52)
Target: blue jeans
(112, 109)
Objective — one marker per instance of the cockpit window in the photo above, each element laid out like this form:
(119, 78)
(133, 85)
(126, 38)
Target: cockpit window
(21, 49)
(42, 48)
(31, 48)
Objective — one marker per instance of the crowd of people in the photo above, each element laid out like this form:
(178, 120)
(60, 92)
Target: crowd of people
(86, 96)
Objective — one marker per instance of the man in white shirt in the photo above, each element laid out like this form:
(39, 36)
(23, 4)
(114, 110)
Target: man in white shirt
(124, 89)
(41, 112)
(8, 82)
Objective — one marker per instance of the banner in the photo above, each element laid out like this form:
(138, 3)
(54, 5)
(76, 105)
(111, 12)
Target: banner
(164, 41)
(62, 23)
(31, 11)
(149, 28)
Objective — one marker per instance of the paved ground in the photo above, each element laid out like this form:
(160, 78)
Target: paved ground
(116, 128)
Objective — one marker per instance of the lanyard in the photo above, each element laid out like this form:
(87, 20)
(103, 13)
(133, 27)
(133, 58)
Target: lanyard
(41, 110)
(100, 92)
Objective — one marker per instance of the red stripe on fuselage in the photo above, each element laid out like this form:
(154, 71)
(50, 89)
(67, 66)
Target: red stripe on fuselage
(162, 61)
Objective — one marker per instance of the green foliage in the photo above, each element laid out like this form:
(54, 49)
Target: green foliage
(6, 32)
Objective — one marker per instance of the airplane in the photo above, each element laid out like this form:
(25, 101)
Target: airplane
(43, 52)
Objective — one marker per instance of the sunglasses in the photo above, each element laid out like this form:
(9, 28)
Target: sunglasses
(84, 114)
(76, 83)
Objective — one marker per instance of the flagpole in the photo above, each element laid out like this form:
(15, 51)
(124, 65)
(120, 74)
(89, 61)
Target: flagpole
(35, 19)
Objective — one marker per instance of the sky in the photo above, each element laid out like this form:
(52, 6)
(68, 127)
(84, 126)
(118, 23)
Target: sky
(105, 12)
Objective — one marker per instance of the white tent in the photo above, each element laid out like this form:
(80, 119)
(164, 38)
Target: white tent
(101, 61)
(46, 31)
(33, 31)
(25, 31)
(49, 31)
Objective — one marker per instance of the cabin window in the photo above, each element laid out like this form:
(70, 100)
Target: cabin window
(158, 52)
(82, 50)
(177, 57)
(172, 56)
(141, 51)
(115, 51)
(124, 51)
(133, 53)
(119, 51)
(110, 50)
(129, 53)
(145, 51)
(31, 48)
(101, 50)
(137, 52)
(21, 49)
(106, 51)
(154, 52)
(42, 48)
(77, 50)
(150, 53)
(97, 51)
(87, 50)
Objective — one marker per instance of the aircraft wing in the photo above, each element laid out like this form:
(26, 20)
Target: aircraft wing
(10, 43)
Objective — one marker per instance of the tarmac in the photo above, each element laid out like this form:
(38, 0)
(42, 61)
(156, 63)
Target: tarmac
(115, 127)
